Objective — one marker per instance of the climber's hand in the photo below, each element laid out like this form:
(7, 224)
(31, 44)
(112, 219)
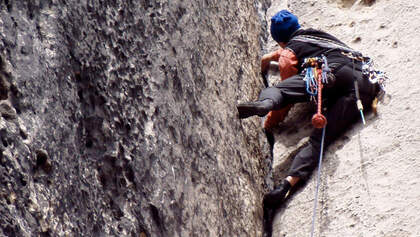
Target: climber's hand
(265, 62)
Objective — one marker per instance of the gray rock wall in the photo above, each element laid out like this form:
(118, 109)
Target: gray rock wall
(118, 118)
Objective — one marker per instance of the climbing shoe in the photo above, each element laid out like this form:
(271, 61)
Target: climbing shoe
(273, 199)
(260, 108)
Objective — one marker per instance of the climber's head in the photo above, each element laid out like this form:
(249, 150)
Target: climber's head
(283, 25)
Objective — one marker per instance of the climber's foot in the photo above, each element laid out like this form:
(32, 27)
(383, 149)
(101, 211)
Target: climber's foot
(275, 198)
(260, 108)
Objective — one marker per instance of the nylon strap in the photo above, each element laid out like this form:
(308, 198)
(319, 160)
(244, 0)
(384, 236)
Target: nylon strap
(325, 43)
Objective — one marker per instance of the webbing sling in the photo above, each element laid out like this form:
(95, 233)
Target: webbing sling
(325, 43)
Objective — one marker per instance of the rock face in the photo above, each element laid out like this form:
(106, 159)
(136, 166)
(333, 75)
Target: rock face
(118, 118)
(371, 176)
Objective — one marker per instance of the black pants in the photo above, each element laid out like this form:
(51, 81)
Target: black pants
(341, 111)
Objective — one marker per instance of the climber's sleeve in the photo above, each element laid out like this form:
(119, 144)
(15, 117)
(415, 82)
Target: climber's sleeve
(288, 67)
(276, 54)
(287, 63)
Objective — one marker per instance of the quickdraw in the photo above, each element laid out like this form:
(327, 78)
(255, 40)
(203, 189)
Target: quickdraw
(369, 71)
(375, 76)
(316, 75)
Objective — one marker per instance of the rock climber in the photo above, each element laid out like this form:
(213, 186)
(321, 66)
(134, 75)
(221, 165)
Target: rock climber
(339, 94)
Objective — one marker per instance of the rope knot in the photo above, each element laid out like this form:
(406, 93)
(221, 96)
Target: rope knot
(319, 120)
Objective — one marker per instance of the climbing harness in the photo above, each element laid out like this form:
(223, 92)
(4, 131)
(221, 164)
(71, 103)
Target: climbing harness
(317, 182)
(368, 67)
(316, 75)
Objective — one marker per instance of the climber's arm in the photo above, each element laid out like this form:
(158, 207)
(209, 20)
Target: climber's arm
(288, 67)
(287, 62)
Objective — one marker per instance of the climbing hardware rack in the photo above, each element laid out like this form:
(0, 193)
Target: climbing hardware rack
(316, 75)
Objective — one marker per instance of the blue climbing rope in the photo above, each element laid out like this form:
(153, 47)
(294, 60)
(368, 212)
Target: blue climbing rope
(317, 181)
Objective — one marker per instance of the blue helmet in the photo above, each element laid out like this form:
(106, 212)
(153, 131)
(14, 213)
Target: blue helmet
(283, 25)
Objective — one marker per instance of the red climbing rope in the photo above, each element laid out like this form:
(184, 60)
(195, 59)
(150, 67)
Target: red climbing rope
(319, 120)
(316, 70)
